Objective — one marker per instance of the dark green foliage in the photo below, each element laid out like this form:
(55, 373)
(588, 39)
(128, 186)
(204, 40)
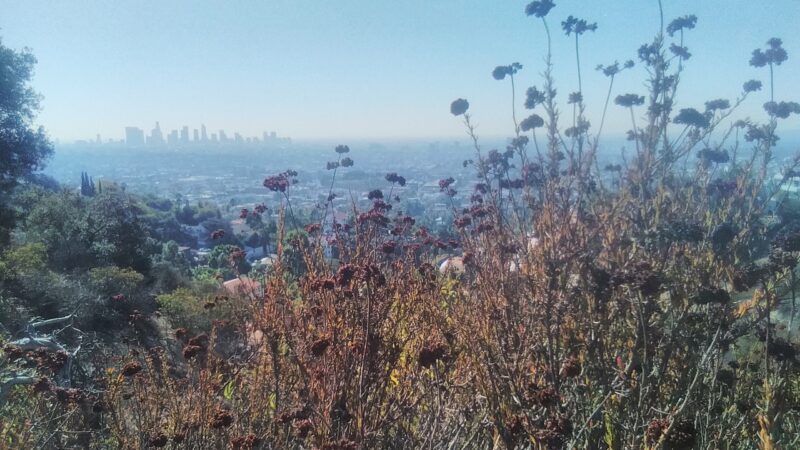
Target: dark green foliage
(194, 215)
(293, 243)
(23, 148)
(88, 189)
(85, 233)
(229, 260)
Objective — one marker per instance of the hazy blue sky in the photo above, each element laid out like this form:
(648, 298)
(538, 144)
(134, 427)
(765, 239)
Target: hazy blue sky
(361, 69)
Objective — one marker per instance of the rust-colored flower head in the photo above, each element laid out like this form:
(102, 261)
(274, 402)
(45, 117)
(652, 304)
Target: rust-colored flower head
(393, 177)
(312, 228)
(459, 107)
(446, 183)
(13, 352)
(430, 354)
(303, 428)
(132, 368)
(375, 194)
(577, 26)
(629, 100)
(53, 361)
(547, 397)
(570, 368)
(319, 346)
(751, 86)
(181, 332)
(158, 440)
(190, 351)
(462, 221)
(221, 419)
(531, 122)
(775, 54)
(42, 385)
(248, 442)
(539, 8)
(201, 340)
(468, 258)
(345, 274)
(323, 284)
(388, 247)
(681, 23)
(693, 118)
(277, 183)
(500, 72)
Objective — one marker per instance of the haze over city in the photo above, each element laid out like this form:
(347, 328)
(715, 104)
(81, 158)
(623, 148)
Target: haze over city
(352, 69)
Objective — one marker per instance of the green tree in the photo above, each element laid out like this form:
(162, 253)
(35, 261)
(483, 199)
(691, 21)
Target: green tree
(293, 243)
(116, 231)
(223, 258)
(23, 147)
(112, 280)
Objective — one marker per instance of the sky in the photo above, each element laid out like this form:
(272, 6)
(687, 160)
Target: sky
(365, 69)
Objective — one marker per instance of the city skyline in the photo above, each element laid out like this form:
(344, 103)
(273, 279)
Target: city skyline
(135, 136)
(355, 69)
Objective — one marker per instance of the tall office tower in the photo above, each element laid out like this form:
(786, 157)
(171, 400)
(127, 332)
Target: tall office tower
(156, 137)
(222, 136)
(185, 135)
(213, 137)
(172, 139)
(134, 136)
(203, 134)
(196, 136)
(238, 138)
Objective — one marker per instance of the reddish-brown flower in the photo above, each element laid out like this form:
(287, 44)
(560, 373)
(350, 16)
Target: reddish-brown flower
(221, 419)
(190, 351)
(132, 368)
(158, 440)
(319, 346)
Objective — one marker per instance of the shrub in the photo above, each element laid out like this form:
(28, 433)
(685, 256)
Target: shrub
(631, 308)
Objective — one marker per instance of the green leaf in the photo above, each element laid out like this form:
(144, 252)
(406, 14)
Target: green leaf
(228, 391)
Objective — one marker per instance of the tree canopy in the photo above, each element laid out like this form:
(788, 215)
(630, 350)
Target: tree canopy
(23, 146)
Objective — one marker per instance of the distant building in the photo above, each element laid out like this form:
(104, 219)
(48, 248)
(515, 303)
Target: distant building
(172, 139)
(213, 137)
(185, 135)
(244, 287)
(222, 136)
(203, 135)
(196, 135)
(156, 137)
(134, 136)
(238, 138)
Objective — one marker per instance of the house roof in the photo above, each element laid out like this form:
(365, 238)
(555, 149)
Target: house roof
(243, 286)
